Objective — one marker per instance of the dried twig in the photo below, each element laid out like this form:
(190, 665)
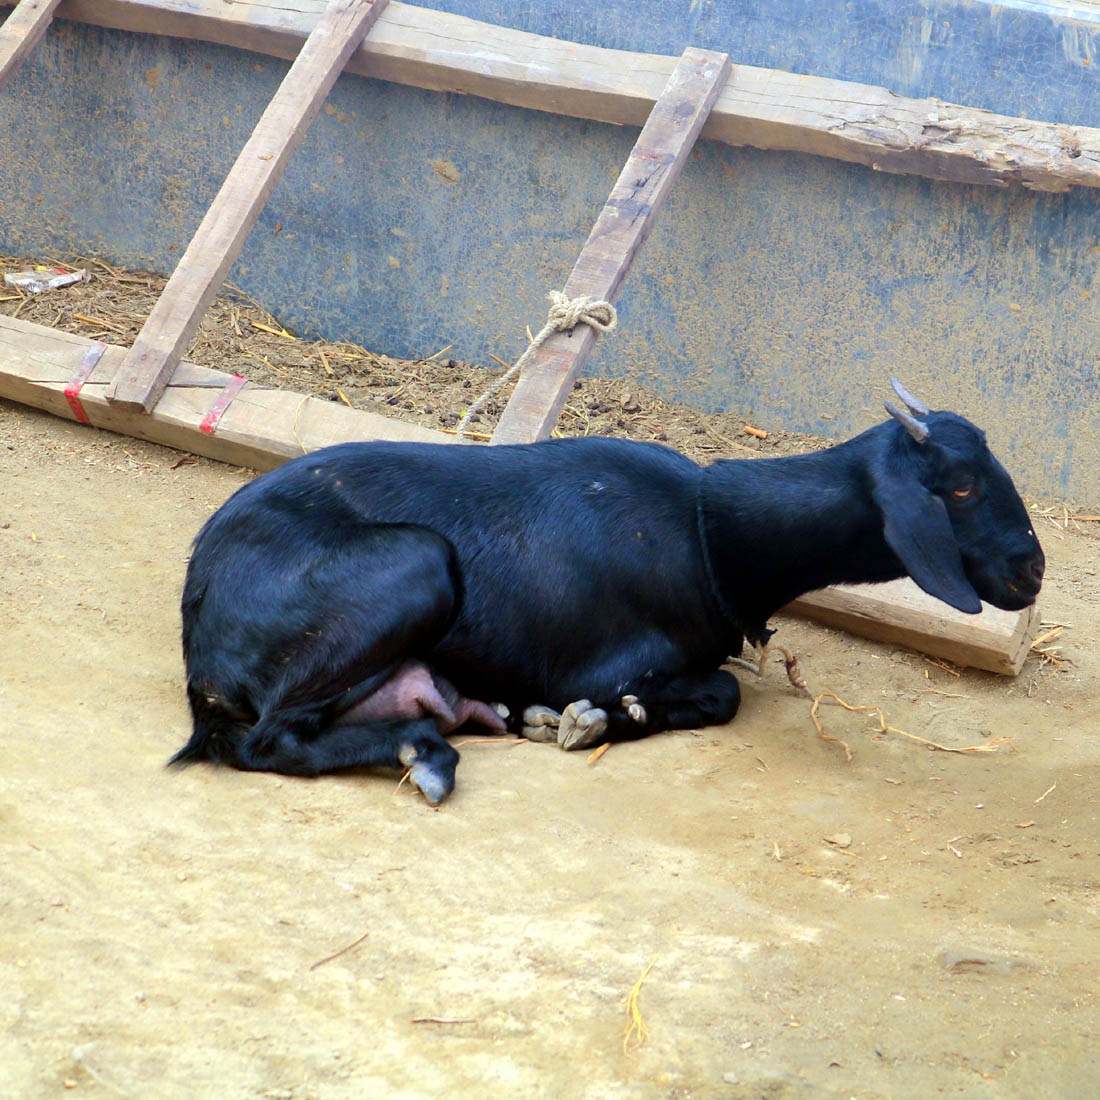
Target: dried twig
(342, 951)
(491, 741)
(297, 417)
(101, 321)
(790, 662)
(727, 442)
(793, 675)
(1045, 793)
(1050, 635)
(989, 746)
(597, 753)
(466, 435)
(942, 667)
(634, 1035)
(821, 729)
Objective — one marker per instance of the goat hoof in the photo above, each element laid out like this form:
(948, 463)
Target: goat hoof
(582, 726)
(629, 700)
(637, 712)
(435, 783)
(540, 716)
(431, 763)
(502, 711)
(540, 723)
(547, 734)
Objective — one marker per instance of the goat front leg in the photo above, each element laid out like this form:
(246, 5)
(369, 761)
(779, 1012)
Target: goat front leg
(689, 701)
(541, 723)
(578, 726)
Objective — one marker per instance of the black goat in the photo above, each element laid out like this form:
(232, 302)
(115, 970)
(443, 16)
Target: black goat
(350, 607)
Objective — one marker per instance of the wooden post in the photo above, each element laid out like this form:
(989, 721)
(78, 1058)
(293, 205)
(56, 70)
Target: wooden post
(762, 108)
(259, 427)
(218, 241)
(900, 613)
(20, 33)
(620, 231)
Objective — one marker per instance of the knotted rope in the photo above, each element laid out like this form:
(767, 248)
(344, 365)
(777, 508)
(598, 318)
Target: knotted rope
(565, 314)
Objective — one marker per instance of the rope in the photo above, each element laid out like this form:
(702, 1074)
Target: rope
(565, 314)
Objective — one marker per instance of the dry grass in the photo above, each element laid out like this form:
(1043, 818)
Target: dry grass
(239, 336)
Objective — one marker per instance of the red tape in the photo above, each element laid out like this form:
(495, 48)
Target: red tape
(72, 391)
(232, 388)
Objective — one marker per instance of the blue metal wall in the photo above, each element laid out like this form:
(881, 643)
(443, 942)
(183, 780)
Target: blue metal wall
(785, 286)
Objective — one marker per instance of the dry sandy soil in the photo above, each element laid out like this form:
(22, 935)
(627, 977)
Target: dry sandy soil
(911, 924)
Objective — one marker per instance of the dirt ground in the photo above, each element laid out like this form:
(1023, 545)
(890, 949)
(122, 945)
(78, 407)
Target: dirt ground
(911, 924)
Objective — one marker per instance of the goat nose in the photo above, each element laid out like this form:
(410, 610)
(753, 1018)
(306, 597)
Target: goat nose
(1035, 568)
(1030, 568)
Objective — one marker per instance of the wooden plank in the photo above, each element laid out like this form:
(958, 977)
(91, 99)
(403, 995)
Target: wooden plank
(619, 233)
(21, 32)
(765, 108)
(218, 241)
(899, 612)
(261, 428)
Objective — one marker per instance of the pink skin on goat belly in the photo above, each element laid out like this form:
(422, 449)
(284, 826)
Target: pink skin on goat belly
(414, 692)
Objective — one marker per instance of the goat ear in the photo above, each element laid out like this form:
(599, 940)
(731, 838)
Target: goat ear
(918, 531)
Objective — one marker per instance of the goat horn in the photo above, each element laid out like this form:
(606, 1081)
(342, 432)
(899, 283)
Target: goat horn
(913, 426)
(911, 402)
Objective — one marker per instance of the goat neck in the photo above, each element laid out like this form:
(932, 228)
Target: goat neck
(776, 528)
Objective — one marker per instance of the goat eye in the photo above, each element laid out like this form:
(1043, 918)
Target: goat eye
(962, 494)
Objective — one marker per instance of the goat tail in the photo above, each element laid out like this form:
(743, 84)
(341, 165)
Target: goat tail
(215, 743)
(198, 748)
(215, 736)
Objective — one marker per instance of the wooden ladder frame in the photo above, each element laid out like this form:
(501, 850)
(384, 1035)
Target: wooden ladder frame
(620, 231)
(21, 32)
(220, 237)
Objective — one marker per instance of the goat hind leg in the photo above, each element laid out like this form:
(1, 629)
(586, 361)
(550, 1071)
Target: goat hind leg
(275, 744)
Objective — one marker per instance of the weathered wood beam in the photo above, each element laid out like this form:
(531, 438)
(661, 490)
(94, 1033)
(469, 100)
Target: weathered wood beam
(619, 233)
(21, 32)
(260, 428)
(221, 235)
(766, 108)
(899, 612)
